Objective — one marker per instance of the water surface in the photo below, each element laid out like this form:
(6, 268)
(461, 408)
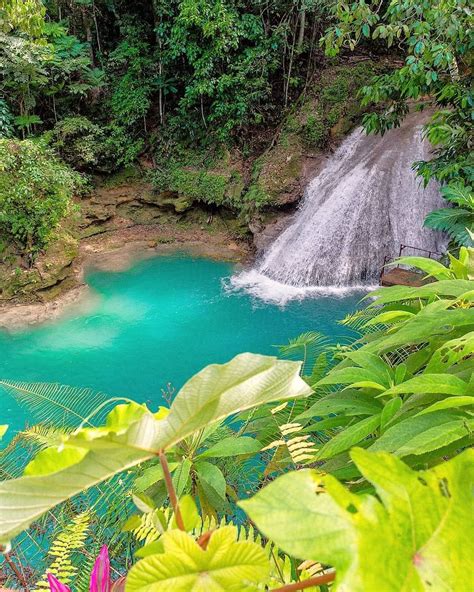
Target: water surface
(157, 323)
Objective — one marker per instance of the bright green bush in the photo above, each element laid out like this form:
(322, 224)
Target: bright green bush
(35, 193)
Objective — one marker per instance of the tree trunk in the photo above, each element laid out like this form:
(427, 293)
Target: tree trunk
(299, 46)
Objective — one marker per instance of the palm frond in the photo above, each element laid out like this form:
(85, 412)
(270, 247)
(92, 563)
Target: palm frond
(457, 222)
(55, 404)
(305, 347)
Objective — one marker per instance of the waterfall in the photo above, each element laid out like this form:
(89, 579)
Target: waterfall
(362, 206)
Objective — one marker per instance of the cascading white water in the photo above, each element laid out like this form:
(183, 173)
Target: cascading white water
(365, 203)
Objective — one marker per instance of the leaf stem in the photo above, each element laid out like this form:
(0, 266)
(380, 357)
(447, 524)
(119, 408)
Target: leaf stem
(316, 581)
(171, 490)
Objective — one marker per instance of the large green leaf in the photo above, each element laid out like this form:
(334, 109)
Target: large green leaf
(211, 480)
(416, 535)
(349, 437)
(133, 434)
(451, 352)
(424, 433)
(348, 402)
(434, 319)
(445, 384)
(430, 266)
(443, 288)
(185, 567)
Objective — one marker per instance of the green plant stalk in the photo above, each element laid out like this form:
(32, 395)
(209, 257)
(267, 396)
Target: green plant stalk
(171, 490)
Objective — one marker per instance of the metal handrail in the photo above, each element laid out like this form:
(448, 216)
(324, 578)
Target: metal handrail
(403, 247)
(388, 258)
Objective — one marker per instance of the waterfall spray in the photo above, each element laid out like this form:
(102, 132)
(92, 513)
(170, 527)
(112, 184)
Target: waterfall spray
(364, 203)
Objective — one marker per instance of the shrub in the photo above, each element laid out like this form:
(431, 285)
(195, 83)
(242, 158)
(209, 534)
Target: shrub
(315, 132)
(6, 120)
(35, 193)
(207, 187)
(79, 142)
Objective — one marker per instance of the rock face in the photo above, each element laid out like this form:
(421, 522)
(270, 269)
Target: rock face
(51, 275)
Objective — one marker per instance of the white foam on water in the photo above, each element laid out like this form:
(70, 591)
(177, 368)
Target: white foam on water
(271, 291)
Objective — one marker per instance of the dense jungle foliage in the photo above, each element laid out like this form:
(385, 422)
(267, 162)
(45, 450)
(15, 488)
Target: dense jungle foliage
(351, 469)
(106, 83)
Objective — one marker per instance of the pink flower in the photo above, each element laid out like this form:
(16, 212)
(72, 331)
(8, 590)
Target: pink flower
(56, 586)
(100, 576)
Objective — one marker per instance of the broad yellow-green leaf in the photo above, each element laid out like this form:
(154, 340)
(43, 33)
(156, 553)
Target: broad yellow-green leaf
(133, 434)
(415, 536)
(3, 430)
(225, 565)
(189, 513)
(429, 266)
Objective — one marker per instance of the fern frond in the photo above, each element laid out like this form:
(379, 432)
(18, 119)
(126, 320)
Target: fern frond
(71, 539)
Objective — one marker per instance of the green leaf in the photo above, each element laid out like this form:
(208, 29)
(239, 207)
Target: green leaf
(413, 536)
(345, 402)
(151, 475)
(150, 549)
(221, 390)
(232, 446)
(434, 319)
(189, 513)
(349, 437)
(212, 395)
(429, 266)
(450, 403)
(186, 567)
(355, 377)
(389, 411)
(212, 480)
(445, 384)
(3, 430)
(181, 476)
(423, 433)
(450, 353)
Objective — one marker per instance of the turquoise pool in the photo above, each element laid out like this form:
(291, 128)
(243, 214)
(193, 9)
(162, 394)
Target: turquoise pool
(157, 324)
